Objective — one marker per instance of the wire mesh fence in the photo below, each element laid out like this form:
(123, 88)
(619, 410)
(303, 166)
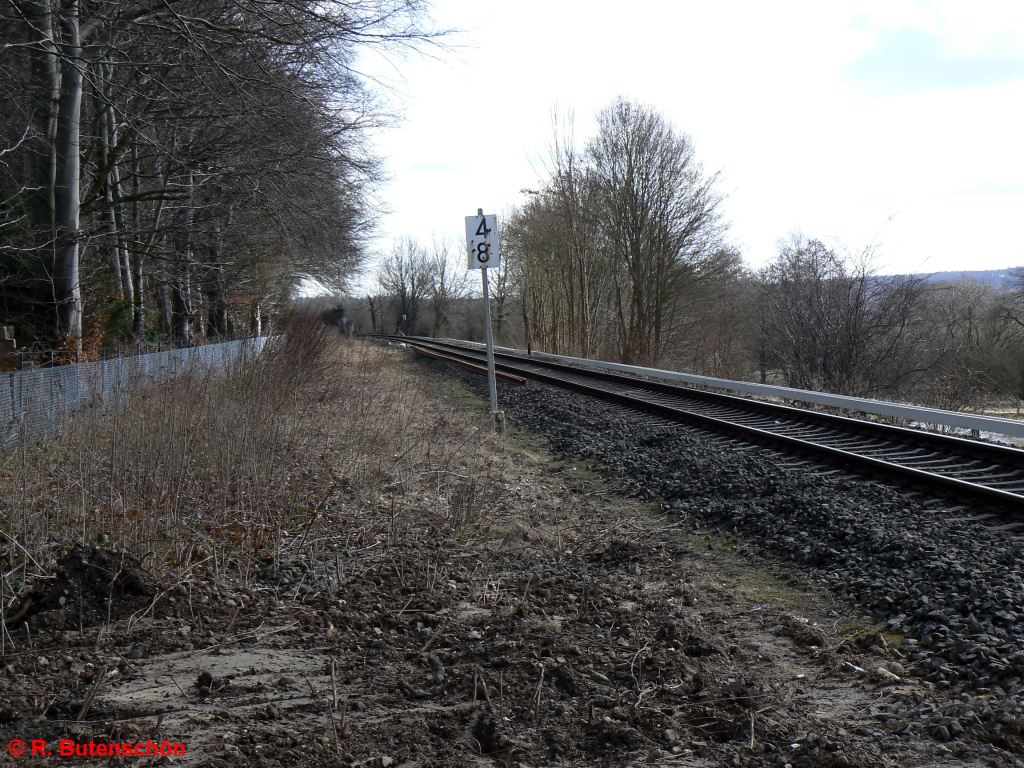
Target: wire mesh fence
(37, 403)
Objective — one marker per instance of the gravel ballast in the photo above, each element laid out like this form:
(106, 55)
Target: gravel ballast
(950, 587)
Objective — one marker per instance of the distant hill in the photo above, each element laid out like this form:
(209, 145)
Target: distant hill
(997, 277)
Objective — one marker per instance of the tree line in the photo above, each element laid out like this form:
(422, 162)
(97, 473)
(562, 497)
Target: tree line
(622, 254)
(171, 168)
(827, 321)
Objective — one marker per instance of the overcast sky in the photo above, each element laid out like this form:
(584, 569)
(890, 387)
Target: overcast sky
(898, 123)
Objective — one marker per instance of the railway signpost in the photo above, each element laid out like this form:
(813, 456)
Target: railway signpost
(484, 252)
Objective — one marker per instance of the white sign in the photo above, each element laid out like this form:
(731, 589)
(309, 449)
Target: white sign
(482, 241)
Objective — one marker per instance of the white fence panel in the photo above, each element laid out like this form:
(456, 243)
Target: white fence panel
(38, 402)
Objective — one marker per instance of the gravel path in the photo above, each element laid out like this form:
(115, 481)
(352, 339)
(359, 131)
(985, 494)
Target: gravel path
(949, 585)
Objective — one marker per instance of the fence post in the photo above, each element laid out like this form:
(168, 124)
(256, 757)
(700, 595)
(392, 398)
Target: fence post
(52, 411)
(21, 397)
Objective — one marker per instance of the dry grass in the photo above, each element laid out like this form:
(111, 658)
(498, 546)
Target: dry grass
(321, 444)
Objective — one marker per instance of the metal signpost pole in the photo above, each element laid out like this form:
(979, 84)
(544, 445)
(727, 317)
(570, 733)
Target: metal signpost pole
(484, 252)
(492, 385)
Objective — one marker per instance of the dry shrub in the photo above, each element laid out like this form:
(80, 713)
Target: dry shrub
(320, 443)
(304, 347)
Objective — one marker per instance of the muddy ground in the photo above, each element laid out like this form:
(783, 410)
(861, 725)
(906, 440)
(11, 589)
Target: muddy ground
(585, 628)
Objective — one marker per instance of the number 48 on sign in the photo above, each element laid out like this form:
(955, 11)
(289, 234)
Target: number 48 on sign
(482, 241)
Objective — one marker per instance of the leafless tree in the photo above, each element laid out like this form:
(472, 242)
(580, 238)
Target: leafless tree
(974, 345)
(659, 213)
(830, 323)
(447, 282)
(405, 276)
(191, 148)
(612, 254)
(717, 335)
(556, 255)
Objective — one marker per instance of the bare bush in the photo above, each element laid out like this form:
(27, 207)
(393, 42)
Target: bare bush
(322, 443)
(829, 323)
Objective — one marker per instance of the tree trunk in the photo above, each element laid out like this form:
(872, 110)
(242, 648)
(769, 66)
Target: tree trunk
(117, 207)
(67, 290)
(166, 312)
(256, 321)
(216, 297)
(104, 126)
(181, 306)
(527, 336)
(138, 289)
(181, 288)
(372, 303)
(138, 306)
(45, 84)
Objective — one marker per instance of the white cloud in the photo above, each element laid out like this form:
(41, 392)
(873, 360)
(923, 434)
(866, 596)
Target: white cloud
(793, 102)
(939, 45)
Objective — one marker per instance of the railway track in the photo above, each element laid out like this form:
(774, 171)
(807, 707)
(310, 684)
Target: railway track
(971, 470)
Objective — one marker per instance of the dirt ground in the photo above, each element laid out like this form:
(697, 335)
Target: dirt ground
(557, 623)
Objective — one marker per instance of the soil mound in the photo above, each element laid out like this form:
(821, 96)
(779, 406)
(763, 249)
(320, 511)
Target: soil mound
(91, 585)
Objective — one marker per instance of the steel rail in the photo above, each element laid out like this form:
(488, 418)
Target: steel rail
(827, 420)
(936, 416)
(508, 378)
(906, 439)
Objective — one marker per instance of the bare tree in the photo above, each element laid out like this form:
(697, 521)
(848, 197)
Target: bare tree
(612, 254)
(556, 254)
(659, 213)
(830, 323)
(405, 276)
(718, 331)
(447, 282)
(195, 147)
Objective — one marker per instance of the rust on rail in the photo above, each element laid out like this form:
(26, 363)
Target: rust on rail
(508, 378)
